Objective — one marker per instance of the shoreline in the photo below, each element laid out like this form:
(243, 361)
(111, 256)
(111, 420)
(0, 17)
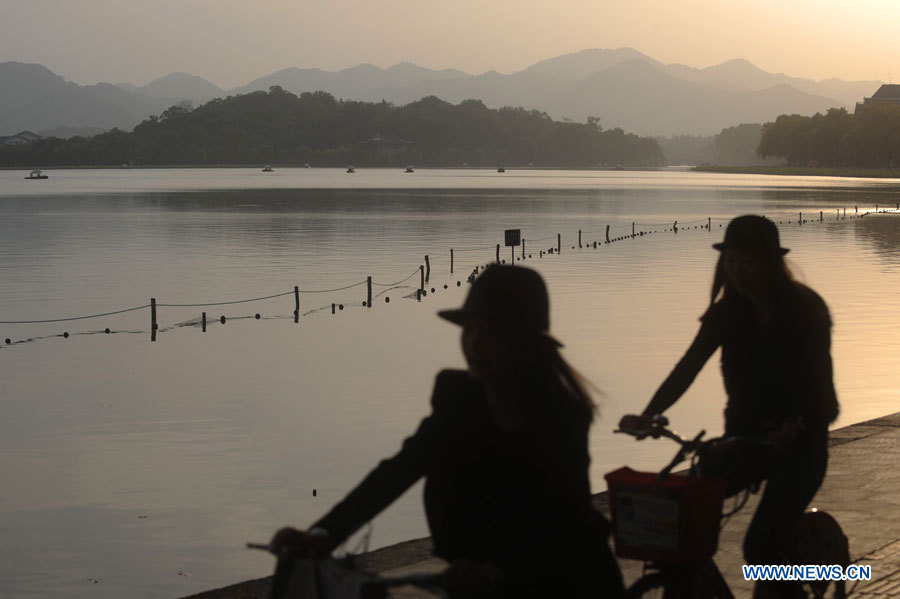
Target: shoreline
(417, 551)
(803, 171)
(521, 167)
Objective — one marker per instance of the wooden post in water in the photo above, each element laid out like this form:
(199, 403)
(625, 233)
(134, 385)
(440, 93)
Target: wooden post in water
(632, 229)
(523, 248)
(607, 233)
(498, 253)
(369, 295)
(821, 216)
(800, 218)
(332, 308)
(427, 268)
(152, 319)
(418, 295)
(558, 242)
(579, 238)
(856, 209)
(512, 255)
(296, 303)
(709, 223)
(845, 213)
(204, 322)
(451, 261)
(421, 277)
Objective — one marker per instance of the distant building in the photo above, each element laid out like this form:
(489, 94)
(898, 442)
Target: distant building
(23, 137)
(388, 146)
(885, 93)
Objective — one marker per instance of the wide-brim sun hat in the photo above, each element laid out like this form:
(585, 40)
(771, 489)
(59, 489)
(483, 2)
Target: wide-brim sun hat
(753, 233)
(512, 296)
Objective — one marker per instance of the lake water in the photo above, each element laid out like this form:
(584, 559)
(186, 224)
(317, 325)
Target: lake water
(137, 468)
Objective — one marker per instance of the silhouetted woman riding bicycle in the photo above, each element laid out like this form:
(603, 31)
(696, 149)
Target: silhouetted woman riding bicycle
(505, 460)
(775, 335)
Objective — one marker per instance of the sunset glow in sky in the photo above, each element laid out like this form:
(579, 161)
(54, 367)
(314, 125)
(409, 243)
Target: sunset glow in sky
(231, 42)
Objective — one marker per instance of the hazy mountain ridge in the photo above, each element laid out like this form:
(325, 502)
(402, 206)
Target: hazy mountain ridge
(623, 87)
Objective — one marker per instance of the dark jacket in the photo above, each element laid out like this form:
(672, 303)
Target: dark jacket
(769, 377)
(520, 500)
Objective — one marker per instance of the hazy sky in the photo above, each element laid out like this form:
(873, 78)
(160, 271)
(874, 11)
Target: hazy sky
(231, 42)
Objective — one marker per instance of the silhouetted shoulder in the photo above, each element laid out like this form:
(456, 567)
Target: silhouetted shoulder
(810, 306)
(455, 390)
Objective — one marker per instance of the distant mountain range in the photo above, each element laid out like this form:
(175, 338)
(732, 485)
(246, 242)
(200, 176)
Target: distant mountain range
(623, 87)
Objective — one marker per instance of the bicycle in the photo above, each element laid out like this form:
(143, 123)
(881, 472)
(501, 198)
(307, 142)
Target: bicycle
(299, 576)
(672, 523)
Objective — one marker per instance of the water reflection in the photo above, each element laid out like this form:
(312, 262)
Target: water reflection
(221, 436)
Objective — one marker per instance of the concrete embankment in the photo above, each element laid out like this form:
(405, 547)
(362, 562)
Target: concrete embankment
(861, 490)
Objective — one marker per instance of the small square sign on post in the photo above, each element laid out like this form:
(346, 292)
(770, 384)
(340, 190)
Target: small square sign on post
(513, 237)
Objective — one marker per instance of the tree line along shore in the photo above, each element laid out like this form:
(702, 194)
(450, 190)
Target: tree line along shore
(314, 128)
(278, 127)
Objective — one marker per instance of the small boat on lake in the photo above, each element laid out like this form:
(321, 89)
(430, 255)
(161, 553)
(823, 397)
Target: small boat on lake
(350, 169)
(409, 169)
(36, 174)
(268, 169)
(500, 168)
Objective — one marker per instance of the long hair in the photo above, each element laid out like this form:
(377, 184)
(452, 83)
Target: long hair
(564, 383)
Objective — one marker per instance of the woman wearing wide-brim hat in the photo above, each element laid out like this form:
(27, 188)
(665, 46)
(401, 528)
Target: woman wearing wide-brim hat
(775, 335)
(505, 459)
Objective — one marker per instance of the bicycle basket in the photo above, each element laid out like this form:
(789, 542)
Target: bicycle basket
(673, 521)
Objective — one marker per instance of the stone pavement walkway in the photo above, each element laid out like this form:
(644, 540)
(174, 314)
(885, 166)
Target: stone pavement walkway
(861, 490)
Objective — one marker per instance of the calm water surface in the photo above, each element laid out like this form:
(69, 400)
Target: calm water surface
(146, 466)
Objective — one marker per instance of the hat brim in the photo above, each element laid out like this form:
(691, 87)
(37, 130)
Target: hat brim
(721, 247)
(460, 315)
(454, 316)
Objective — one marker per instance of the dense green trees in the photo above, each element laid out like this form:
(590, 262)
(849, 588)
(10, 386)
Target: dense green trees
(870, 138)
(279, 127)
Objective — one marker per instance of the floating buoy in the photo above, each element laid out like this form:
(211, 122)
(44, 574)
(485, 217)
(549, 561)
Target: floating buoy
(314, 492)
(432, 290)
(257, 316)
(458, 283)
(340, 306)
(445, 285)
(8, 341)
(66, 335)
(364, 303)
(387, 300)
(106, 331)
(222, 320)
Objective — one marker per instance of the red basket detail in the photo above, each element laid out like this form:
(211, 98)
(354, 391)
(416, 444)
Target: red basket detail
(674, 521)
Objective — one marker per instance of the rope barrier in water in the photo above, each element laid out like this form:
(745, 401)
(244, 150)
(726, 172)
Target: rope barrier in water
(414, 273)
(74, 317)
(788, 218)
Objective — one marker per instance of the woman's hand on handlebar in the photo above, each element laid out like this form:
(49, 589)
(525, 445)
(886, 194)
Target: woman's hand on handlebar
(316, 543)
(641, 425)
